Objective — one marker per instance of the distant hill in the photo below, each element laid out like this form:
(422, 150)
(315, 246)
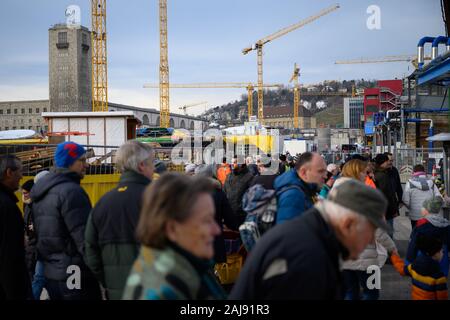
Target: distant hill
(327, 109)
(332, 116)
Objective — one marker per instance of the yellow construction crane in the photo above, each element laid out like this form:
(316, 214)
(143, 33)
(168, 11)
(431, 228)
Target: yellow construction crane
(398, 58)
(258, 46)
(184, 108)
(163, 66)
(294, 79)
(221, 85)
(99, 56)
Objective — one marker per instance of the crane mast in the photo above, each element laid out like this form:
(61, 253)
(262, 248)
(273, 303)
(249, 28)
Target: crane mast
(163, 67)
(259, 48)
(99, 56)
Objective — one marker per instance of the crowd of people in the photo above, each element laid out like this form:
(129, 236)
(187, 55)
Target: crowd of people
(157, 235)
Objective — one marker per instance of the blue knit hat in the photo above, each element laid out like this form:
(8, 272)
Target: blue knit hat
(67, 153)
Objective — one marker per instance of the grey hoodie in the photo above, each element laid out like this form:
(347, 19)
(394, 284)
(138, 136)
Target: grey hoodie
(417, 190)
(437, 221)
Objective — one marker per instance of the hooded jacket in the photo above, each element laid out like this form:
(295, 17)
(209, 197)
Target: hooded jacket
(61, 209)
(417, 190)
(292, 203)
(432, 225)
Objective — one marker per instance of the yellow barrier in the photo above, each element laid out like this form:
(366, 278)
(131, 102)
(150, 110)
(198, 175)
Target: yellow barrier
(97, 185)
(94, 185)
(228, 272)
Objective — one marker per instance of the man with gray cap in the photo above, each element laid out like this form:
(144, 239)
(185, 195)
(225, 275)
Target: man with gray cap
(301, 259)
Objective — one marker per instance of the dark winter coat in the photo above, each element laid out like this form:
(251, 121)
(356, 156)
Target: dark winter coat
(111, 244)
(435, 226)
(30, 240)
(224, 215)
(295, 260)
(266, 180)
(294, 202)
(396, 183)
(14, 281)
(61, 209)
(385, 185)
(235, 186)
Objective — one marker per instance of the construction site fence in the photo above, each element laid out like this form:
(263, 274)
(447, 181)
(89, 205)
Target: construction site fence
(434, 161)
(101, 176)
(101, 159)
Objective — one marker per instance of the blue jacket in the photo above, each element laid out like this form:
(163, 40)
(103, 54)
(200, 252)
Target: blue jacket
(292, 203)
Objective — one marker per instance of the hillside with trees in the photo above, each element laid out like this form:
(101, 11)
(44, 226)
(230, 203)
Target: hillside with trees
(236, 112)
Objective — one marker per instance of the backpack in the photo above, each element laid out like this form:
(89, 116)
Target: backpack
(260, 204)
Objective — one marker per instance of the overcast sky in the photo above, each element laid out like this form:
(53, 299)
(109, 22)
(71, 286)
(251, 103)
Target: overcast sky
(205, 42)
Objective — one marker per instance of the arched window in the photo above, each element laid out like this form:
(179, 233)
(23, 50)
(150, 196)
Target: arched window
(182, 124)
(172, 123)
(145, 120)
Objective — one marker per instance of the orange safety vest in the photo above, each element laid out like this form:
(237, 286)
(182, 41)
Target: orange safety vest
(222, 173)
(370, 183)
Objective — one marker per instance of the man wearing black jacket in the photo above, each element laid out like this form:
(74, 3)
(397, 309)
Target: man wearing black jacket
(300, 259)
(111, 244)
(61, 209)
(394, 175)
(14, 281)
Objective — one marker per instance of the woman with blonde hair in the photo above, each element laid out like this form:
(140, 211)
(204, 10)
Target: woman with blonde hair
(355, 169)
(355, 272)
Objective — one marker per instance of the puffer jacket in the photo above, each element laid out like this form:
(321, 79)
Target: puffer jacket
(61, 209)
(370, 255)
(111, 244)
(432, 225)
(418, 189)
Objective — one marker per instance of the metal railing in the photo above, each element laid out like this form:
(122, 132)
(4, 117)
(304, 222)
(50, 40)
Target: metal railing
(38, 157)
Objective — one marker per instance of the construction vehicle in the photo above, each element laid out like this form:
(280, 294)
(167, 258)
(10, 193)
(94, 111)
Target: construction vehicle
(221, 85)
(99, 57)
(258, 46)
(184, 108)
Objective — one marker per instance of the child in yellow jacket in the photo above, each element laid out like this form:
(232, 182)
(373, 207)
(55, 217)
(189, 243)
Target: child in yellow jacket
(428, 281)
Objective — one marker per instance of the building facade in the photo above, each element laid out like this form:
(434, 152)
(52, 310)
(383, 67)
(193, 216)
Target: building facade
(151, 117)
(19, 115)
(354, 112)
(283, 117)
(70, 71)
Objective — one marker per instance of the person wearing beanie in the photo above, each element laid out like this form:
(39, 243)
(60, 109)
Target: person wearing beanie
(61, 208)
(428, 280)
(432, 224)
(384, 184)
